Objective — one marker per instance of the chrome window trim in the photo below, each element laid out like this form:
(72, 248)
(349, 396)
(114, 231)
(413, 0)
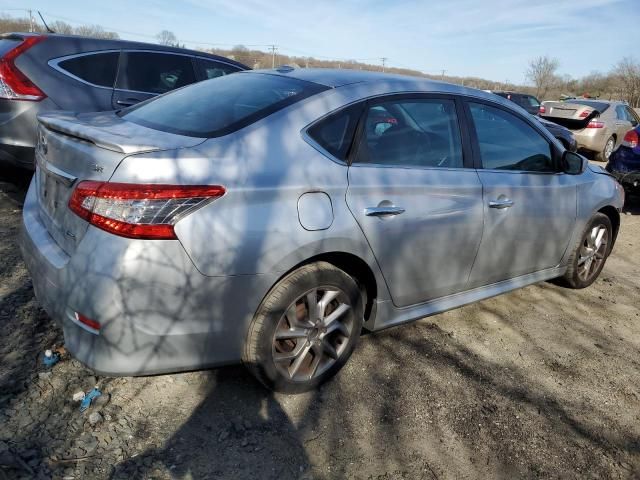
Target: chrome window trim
(55, 64)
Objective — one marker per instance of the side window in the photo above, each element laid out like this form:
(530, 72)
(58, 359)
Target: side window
(620, 112)
(411, 132)
(213, 69)
(154, 72)
(631, 115)
(532, 101)
(335, 133)
(509, 143)
(97, 68)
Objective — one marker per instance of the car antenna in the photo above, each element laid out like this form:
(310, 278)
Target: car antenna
(45, 23)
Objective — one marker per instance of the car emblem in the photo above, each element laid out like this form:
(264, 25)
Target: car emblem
(98, 168)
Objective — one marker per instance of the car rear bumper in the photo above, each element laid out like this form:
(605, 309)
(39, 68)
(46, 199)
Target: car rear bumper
(157, 313)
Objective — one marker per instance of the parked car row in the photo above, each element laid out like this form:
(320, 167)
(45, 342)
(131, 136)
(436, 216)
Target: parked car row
(532, 105)
(267, 217)
(40, 73)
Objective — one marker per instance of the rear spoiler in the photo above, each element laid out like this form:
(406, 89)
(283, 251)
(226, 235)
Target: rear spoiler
(100, 135)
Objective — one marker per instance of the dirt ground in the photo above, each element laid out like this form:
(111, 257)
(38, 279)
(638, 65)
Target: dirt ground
(540, 383)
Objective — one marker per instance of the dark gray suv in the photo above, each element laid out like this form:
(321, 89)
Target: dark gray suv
(41, 73)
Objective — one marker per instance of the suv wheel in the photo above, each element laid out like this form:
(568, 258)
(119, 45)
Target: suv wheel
(305, 329)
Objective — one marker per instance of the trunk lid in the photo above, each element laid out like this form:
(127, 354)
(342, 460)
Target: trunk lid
(72, 148)
(573, 116)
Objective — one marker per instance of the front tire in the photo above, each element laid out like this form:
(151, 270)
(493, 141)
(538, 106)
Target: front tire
(305, 329)
(588, 259)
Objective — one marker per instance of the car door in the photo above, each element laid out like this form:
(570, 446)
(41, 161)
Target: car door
(415, 195)
(529, 206)
(145, 74)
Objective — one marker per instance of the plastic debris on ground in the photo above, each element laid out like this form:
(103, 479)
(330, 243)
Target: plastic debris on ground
(89, 397)
(50, 358)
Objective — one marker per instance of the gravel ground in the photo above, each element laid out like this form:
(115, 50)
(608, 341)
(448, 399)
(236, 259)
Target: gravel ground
(540, 383)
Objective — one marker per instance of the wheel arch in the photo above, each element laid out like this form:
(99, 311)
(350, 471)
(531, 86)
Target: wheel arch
(614, 217)
(354, 266)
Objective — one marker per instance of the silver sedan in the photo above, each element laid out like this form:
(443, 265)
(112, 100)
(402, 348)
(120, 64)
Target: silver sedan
(267, 217)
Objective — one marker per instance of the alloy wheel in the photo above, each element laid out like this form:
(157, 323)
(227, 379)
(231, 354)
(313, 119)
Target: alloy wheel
(593, 252)
(313, 334)
(608, 148)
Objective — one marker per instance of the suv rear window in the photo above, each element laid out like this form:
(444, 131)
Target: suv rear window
(222, 105)
(96, 68)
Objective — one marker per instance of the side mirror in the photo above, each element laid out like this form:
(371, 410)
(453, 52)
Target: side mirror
(572, 163)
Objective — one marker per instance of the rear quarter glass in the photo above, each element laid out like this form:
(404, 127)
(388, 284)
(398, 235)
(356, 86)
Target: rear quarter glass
(238, 100)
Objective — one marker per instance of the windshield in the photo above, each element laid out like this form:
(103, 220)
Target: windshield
(221, 105)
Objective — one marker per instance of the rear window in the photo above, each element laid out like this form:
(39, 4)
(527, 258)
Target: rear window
(222, 105)
(599, 106)
(96, 68)
(335, 133)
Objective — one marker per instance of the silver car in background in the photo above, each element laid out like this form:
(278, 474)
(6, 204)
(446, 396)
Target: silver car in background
(598, 126)
(267, 217)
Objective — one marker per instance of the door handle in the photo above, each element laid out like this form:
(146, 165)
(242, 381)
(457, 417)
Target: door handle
(126, 103)
(501, 203)
(383, 211)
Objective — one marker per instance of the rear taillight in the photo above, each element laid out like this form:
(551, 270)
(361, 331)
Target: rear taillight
(584, 114)
(630, 139)
(542, 109)
(139, 211)
(14, 84)
(595, 124)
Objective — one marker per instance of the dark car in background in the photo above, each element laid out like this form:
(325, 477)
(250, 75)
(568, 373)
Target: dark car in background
(624, 163)
(40, 73)
(530, 103)
(561, 133)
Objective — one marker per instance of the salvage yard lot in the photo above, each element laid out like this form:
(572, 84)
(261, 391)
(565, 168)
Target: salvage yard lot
(543, 382)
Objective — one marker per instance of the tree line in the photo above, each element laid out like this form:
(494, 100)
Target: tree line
(621, 82)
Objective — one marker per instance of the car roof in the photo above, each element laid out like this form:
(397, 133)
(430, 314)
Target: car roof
(128, 44)
(334, 78)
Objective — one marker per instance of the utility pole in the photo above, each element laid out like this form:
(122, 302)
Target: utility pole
(30, 21)
(384, 63)
(273, 49)
(443, 72)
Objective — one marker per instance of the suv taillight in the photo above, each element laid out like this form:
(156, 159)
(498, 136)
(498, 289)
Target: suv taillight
(630, 139)
(146, 211)
(14, 84)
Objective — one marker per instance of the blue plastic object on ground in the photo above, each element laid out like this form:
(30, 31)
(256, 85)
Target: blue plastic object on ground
(88, 398)
(50, 358)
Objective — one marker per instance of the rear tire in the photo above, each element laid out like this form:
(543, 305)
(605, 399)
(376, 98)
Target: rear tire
(606, 152)
(305, 329)
(588, 258)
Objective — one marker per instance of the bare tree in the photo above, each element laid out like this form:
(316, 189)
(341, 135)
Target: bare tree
(627, 74)
(166, 37)
(542, 73)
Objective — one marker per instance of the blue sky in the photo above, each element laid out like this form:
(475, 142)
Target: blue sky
(492, 39)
